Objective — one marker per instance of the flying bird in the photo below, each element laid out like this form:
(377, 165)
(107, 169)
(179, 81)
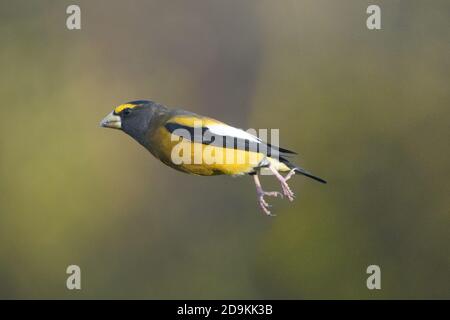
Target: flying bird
(200, 145)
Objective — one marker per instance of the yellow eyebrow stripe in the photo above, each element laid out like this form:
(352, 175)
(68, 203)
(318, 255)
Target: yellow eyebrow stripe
(124, 106)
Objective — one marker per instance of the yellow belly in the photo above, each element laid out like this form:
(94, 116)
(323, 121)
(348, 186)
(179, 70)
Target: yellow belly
(201, 159)
(207, 160)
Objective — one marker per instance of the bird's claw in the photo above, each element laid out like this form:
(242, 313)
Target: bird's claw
(263, 203)
(287, 191)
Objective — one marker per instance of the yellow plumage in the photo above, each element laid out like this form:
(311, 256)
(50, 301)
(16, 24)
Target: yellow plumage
(213, 160)
(187, 142)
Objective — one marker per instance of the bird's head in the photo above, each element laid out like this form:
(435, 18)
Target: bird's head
(132, 117)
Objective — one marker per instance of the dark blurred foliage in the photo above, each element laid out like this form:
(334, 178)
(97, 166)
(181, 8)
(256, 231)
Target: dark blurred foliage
(367, 110)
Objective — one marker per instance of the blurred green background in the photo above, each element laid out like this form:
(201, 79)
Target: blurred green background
(367, 110)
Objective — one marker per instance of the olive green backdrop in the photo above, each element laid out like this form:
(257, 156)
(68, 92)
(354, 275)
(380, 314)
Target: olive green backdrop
(367, 110)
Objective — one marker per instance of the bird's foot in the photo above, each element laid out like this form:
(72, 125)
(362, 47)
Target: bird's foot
(287, 192)
(263, 204)
(286, 189)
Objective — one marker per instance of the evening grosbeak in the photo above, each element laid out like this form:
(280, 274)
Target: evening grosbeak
(199, 145)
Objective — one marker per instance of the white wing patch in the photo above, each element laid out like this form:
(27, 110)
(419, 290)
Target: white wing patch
(226, 130)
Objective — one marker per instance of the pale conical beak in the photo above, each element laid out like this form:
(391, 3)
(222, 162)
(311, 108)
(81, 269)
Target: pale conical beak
(111, 121)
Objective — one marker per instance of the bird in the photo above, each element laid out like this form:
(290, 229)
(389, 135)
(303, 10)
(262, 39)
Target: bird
(200, 145)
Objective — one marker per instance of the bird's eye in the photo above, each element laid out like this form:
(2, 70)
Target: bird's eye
(126, 112)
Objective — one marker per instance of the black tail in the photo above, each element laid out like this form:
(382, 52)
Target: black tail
(280, 150)
(309, 175)
(300, 170)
